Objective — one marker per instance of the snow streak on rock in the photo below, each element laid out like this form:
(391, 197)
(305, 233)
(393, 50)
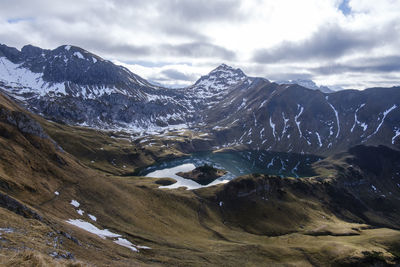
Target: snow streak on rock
(319, 139)
(285, 125)
(272, 126)
(385, 113)
(396, 134)
(357, 122)
(300, 108)
(337, 117)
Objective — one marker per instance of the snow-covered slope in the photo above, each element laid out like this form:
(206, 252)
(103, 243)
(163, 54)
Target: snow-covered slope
(217, 83)
(212, 88)
(308, 84)
(73, 85)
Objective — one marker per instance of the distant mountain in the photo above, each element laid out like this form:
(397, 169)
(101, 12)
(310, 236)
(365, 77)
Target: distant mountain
(211, 89)
(309, 84)
(74, 86)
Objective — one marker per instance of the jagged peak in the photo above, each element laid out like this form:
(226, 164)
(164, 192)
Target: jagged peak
(226, 68)
(220, 79)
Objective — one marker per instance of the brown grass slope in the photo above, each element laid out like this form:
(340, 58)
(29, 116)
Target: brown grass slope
(251, 221)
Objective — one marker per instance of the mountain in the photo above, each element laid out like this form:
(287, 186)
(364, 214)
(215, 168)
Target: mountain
(308, 84)
(209, 90)
(73, 86)
(291, 118)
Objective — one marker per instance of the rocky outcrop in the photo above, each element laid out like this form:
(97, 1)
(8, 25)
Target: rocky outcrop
(23, 122)
(203, 174)
(18, 208)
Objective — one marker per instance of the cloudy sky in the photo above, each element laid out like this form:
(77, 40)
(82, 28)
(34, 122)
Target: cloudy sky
(349, 43)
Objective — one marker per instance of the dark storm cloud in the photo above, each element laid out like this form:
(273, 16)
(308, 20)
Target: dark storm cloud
(329, 42)
(173, 74)
(187, 50)
(366, 65)
(198, 49)
(290, 76)
(124, 50)
(201, 10)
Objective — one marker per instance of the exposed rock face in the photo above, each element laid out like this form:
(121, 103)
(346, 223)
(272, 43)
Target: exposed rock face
(23, 122)
(17, 207)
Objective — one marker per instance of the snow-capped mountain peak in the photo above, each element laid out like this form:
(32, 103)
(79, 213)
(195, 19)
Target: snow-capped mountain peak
(229, 74)
(218, 81)
(308, 84)
(66, 70)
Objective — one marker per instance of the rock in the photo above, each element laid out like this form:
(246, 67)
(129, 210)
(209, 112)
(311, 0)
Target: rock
(18, 208)
(203, 175)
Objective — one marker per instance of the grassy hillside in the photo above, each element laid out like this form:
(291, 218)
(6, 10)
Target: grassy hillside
(251, 221)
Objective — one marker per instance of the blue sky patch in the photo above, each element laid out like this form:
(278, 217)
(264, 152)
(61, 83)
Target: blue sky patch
(17, 20)
(345, 8)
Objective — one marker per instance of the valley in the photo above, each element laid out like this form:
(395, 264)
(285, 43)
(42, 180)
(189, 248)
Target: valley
(88, 150)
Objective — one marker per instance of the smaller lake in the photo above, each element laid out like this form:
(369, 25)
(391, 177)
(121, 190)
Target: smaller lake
(235, 163)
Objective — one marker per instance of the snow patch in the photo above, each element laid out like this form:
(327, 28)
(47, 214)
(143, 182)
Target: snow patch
(67, 47)
(295, 168)
(75, 203)
(92, 217)
(125, 243)
(301, 109)
(357, 122)
(271, 163)
(272, 126)
(319, 139)
(80, 212)
(396, 134)
(263, 103)
(79, 55)
(385, 113)
(337, 117)
(285, 125)
(56, 193)
(262, 132)
(23, 81)
(92, 229)
(243, 104)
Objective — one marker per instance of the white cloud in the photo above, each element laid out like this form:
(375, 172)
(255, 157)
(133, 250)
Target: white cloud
(190, 37)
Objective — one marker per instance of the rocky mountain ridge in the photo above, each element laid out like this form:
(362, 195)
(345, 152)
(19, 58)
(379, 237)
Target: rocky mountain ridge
(308, 84)
(73, 86)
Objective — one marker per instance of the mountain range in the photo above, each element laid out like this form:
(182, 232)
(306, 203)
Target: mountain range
(311, 85)
(73, 86)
